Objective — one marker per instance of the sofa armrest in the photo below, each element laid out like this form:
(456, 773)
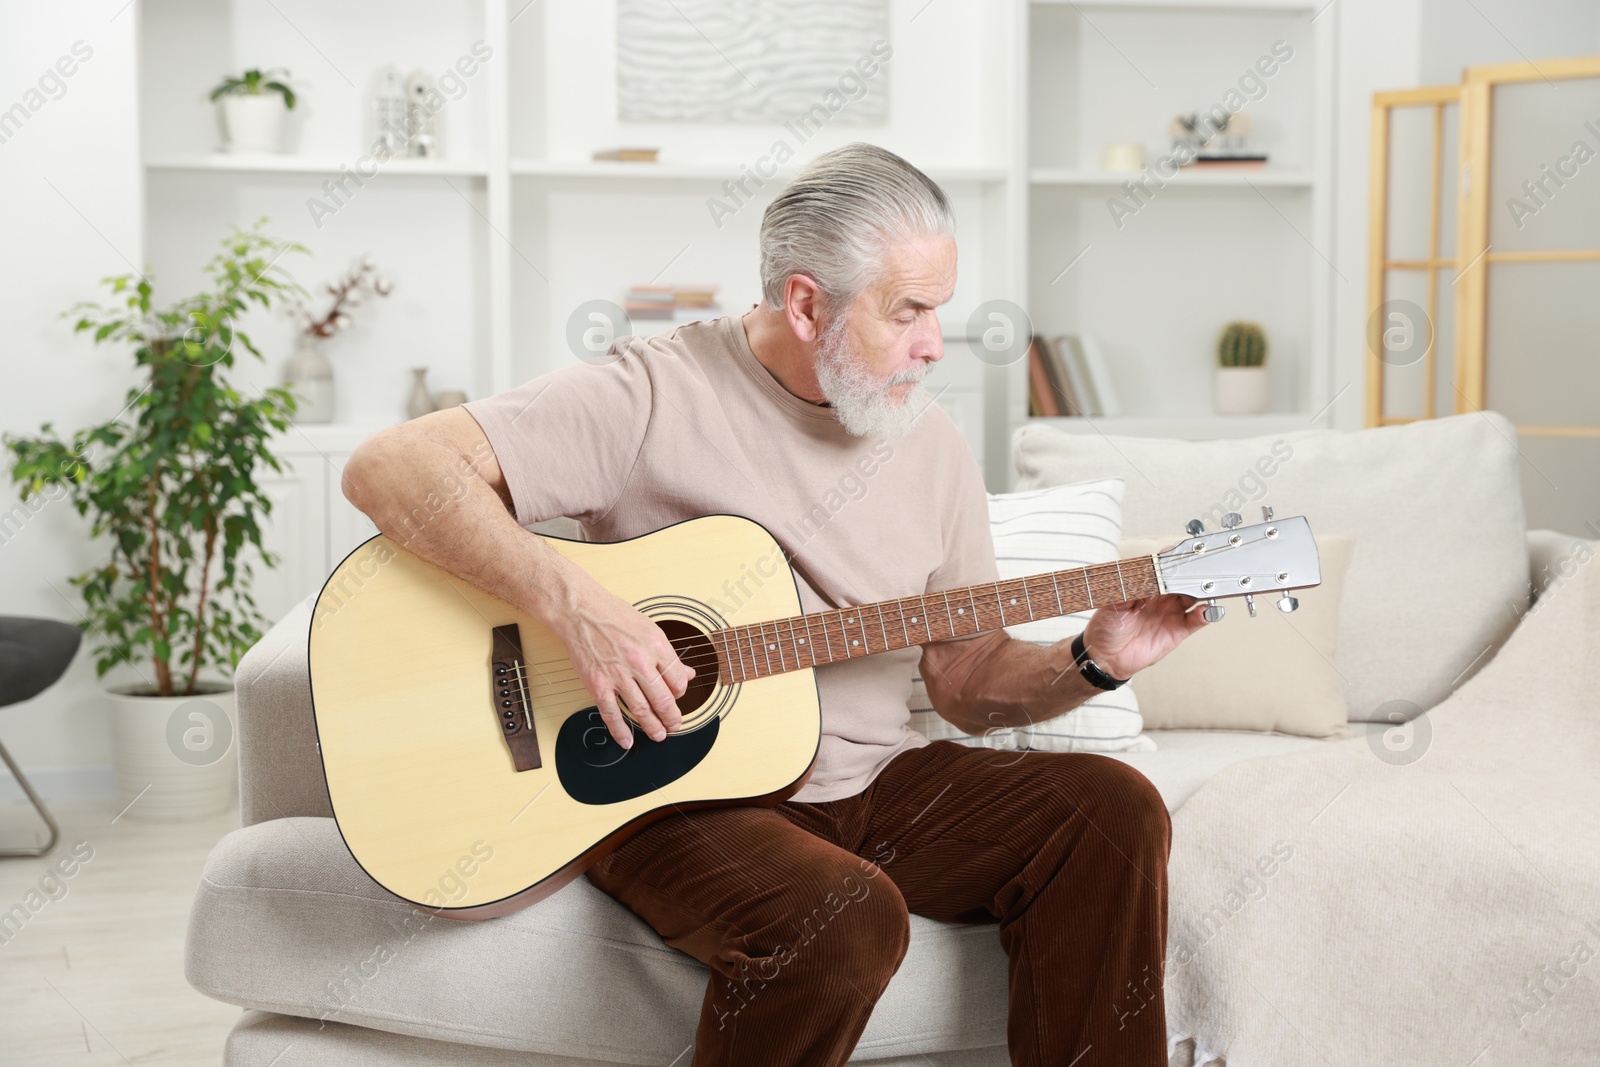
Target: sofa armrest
(280, 770)
(1555, 557)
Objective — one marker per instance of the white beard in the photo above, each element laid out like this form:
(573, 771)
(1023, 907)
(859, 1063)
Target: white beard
(862, 401)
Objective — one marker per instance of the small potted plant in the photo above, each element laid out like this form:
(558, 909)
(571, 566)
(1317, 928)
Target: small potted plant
(308, 372)
(253, 110)
(170, 488)
(1241, 383)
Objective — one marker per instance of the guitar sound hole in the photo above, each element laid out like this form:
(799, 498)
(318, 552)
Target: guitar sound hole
(695, 650)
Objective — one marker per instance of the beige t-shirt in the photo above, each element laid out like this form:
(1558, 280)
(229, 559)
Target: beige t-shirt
(690, 424)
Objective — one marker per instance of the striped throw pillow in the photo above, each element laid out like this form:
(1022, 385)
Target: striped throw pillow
(1035, 532)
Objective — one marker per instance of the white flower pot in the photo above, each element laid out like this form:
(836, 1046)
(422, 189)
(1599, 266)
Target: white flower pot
(176, 757)
(252, 122)
(1241, 390)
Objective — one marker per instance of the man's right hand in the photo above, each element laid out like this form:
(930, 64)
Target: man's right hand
(619, 654)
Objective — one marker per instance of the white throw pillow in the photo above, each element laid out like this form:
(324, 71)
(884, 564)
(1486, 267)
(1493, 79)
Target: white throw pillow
(1036, 532)
(1439, 573)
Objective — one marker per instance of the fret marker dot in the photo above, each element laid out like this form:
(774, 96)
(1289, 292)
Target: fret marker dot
(802, 640)
(855, 642)
(961, 611)
(913, 618)
(1013, 600)
(849, 620)
(772, 647)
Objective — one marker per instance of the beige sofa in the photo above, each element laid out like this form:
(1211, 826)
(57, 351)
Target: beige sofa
(332, 969)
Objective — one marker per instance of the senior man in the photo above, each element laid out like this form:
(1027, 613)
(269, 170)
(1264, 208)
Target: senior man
(762, 414)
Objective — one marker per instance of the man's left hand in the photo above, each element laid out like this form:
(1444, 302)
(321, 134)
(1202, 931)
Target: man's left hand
(1125, 638)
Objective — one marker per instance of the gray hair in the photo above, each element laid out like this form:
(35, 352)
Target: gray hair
(834, 221)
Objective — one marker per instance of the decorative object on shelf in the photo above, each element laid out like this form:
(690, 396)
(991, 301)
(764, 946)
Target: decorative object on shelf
(1241, 383)
(309, 375)
(677, 304)
(1068, 375)
(668, 71)
(449, 398)
(421, 401)
(627, 155)
(1216, 139)
(391, 134)
(170, 486)
(308, 371)
(422, 132)
(1123, 157)
(252, 110)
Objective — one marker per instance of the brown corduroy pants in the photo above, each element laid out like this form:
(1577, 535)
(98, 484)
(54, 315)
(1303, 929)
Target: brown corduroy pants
(801, 910)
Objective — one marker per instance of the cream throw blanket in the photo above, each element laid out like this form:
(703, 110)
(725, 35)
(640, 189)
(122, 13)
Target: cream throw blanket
(1334, 908)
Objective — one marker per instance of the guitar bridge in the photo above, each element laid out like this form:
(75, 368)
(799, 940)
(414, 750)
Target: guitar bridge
(508, 682)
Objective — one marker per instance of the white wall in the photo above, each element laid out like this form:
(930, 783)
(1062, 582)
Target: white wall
(69, 180)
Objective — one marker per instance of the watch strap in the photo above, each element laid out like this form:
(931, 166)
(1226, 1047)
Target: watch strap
(1092, 672)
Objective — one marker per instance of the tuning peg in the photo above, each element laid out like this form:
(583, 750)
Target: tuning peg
(1266, 513)
(1232, 519)
(1195, 527)
(1287, 603)
(1250, 602)
(1214, 611)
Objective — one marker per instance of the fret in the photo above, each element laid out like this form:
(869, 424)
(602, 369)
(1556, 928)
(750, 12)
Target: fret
(739, 648)
(900, 605)
(1027, 598)
(1057, 586)
(763, 638)
(793, 644)
(823, 616)
(848, 644)
(1000, 599)
(976, 626)
(922, 613)
(809, 642)
(884, 628)
(1085, 573)
(1120, 581)
(950, 619)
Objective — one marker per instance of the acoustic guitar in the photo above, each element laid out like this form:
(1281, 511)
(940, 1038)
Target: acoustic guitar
(470, 771)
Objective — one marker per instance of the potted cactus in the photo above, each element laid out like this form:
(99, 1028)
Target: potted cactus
(1241, 384)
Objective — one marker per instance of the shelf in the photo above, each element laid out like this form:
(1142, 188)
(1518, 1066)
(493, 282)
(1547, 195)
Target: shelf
(1185, 427)
(1242, 179)
(292, 164)
(1192, 5)
(542, 168)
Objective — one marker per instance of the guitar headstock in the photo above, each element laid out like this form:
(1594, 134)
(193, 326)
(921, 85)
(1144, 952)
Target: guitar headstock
(1276, 555)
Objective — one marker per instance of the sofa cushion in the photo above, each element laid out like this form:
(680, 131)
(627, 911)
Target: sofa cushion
(1274, 672)
(1036, 532)
(1439, 575)
(285, 921)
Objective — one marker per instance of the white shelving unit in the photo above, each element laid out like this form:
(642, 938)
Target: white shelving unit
(494, 245)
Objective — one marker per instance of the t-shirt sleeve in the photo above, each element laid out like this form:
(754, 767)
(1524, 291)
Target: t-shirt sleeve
(968, 544)
(567, 441)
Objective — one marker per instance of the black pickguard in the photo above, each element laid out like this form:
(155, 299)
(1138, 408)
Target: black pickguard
(594, 769)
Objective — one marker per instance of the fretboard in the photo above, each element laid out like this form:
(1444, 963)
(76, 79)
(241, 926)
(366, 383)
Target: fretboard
(758, 649)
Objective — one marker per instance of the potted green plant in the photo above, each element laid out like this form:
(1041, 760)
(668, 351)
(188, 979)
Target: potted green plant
(1241, 383)
(170, 487)
(253, 108)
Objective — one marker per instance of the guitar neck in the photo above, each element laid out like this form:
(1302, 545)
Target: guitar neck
(775, 646)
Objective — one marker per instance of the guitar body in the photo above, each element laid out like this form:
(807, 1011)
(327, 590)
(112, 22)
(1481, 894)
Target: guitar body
(423, 718)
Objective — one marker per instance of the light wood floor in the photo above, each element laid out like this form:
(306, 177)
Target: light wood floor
(96, 976)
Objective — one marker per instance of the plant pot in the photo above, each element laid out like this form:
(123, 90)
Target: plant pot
(1241, 390)
(309, 374)
(176, 757)
(252, 122)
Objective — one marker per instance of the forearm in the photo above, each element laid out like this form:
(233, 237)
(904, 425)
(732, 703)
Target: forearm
(999, 682)
(427, 495)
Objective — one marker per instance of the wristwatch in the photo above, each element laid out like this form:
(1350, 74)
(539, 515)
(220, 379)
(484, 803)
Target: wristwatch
(1092, 672)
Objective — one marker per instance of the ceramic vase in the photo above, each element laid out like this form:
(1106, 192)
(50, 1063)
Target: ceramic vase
(421, 401)
(309, 374)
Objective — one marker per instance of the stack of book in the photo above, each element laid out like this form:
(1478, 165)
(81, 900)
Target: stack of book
(627, 155)
(1068, 375)
(682, 303)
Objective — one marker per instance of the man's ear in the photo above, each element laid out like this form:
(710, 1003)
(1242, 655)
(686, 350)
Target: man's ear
(803, 307)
